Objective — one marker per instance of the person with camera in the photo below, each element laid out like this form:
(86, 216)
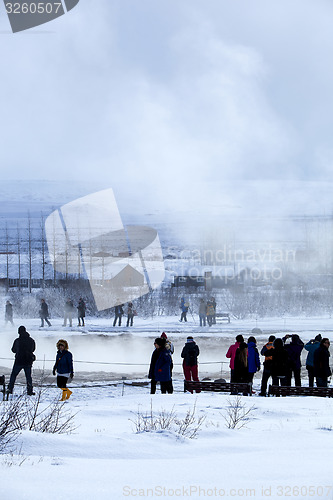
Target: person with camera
(311, 347)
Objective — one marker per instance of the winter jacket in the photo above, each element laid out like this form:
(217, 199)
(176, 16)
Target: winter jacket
(232, 353)
(210, 309)
(154, 356)
(169, 346)
(311, 347)
(321, 362)
(241, 372)
(23, 347)
(69, 306)
(265, 352)
(64, 363)
(162, 366)
(190, 353)
(130, 309)
(118, 310)
(9, 312)
(253, 357)
(280, 362)
(202, 309)
(183, 305)
(81, 309)
(44, 310)
(294, 351)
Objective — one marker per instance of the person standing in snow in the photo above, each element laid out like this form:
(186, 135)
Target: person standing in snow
(210, 312)
(170, 348)
(231, 353)
(81, 311)
(253, 358)
(9, 313)
(213, 301)
(69, 310)
(130, 314)
(241, 366)
(265, 351)
(118, 314)
(63, 368)
(24, 348)
(294, 350)
(202, 312)
(280, 367)
(44, 313)
(184, 308)
(190, 355)
(321, 364)
(311, 347)
(159, 370)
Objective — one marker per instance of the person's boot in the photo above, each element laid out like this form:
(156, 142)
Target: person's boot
(68, 393)
(64, 394)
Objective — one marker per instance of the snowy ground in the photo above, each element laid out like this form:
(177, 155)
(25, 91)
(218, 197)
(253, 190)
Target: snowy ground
(284, 450)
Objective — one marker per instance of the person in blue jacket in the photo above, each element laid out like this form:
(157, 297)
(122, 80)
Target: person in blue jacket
(311, 347)
(63, 367)
(252, 357)
(160, 365)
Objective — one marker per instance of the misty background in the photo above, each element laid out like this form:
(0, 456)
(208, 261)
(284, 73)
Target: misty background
(168, 102)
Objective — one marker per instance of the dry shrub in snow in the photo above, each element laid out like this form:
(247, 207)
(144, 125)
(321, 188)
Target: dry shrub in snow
(28, 413)
(162, 420)
(237, 414)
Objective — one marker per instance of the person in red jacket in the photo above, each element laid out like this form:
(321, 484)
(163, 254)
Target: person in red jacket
(231, 353)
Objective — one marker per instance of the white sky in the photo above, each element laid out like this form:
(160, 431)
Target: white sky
(154, 96)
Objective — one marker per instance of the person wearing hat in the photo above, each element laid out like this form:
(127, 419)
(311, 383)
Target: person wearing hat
(63, 367)
(190, 355)
(23, 347)
(159, 370)
(311, 347)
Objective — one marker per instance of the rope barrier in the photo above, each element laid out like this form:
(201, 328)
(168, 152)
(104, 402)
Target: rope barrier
(124, 364)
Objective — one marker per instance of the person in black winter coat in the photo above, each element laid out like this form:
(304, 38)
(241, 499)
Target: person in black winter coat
(190, 355)
(294, 350)
(118, 314)
(23, 347)
(44, 313)
(267, 372)
(81, 312)
(9, 313)
(63, 367)
(280, 363)
(321, 363)
(241, 366)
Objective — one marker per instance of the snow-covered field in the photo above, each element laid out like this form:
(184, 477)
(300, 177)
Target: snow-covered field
(283, 451)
